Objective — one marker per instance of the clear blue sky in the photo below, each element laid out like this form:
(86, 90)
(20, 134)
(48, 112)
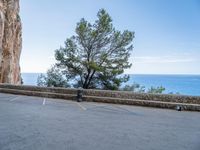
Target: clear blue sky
(167, 31)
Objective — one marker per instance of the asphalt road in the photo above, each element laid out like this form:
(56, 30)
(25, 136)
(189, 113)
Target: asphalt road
(32, 123)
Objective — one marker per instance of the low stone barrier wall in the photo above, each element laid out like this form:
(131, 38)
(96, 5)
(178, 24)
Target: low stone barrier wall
(40, 89)
(146, 103)
(144, 96)
(115, 97)
(39, 94)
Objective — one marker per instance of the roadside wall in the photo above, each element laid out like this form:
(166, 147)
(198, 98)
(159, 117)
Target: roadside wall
(116, 97)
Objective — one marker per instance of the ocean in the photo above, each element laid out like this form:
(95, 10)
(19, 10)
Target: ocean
(182, 84)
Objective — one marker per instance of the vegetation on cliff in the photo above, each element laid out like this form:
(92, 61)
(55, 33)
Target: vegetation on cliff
(53, 78)
(135, 87)
(93, 58)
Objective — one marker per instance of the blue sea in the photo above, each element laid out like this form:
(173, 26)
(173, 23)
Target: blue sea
(182, 84)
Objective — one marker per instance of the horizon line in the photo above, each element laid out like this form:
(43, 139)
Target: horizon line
(130, 73)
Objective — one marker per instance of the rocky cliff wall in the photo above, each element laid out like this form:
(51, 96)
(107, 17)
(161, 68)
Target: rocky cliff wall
(10, 42)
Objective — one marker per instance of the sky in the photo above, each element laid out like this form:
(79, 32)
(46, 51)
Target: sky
(167, 32)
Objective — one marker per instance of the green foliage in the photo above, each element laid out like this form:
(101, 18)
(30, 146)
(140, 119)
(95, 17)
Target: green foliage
(97, 55)
(174, 93)
(135, 87)
(54, 78)
(18, 18)
(22, 81)
(41, 80)
(156, 90)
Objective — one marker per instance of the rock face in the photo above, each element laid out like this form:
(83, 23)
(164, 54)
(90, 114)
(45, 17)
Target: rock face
(10, 42)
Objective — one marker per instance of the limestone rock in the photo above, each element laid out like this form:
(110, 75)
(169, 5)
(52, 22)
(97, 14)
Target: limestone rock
(10, 42)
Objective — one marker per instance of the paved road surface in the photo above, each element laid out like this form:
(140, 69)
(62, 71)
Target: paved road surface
(32, 123)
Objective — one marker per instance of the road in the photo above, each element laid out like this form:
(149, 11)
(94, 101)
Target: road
(34, 123)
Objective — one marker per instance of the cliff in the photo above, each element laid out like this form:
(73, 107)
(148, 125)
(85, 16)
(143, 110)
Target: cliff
(10, 42)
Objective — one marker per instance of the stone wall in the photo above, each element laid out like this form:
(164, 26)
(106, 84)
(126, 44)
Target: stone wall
(115, 97)
(144, 96)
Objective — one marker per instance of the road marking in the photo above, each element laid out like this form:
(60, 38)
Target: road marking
(44, 101)
(113, 106)
(121, 107)
(13, 99)
(82, 107)
(97, 104)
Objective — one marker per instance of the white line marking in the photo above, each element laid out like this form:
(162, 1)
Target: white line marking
(121, 108)
(82, 107)
(97, 104)
(44, 102)
(13, 99)
(114, 106)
